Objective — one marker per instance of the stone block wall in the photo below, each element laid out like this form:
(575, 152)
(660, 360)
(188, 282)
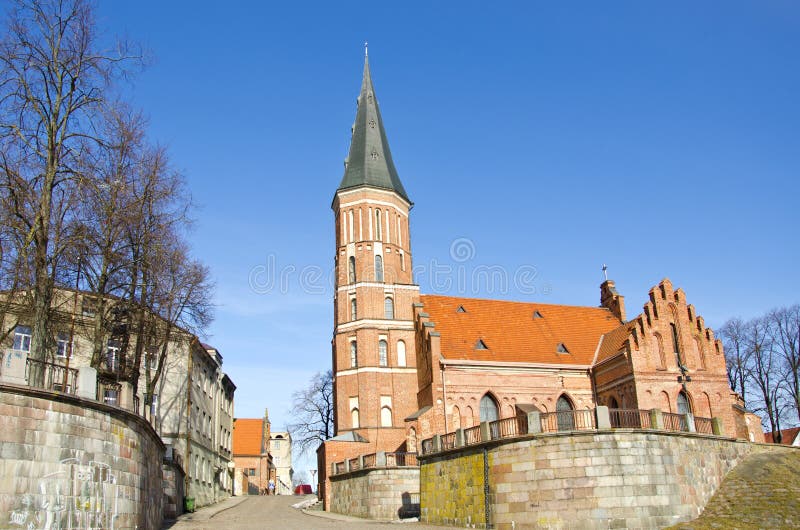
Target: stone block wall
(385, 494)
(67, 462)
(620, 479)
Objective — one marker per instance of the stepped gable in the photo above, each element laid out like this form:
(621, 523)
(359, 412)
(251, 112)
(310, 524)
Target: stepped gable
(514, 332)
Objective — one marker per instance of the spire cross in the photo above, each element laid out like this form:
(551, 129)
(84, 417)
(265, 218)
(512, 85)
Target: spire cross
(605, 271)
(366, 49)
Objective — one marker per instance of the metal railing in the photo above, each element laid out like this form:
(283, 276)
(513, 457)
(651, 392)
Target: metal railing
(630, 418)
(50, 376)
(568, 420)
(472, 435)
(703, 425)
(370, 461)
(508, 427)
(401, 460)
(449, 441)
(675, 422)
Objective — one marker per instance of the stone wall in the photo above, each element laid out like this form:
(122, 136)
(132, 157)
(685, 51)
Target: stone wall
(67, 462)
(619, 479)
(386, 494)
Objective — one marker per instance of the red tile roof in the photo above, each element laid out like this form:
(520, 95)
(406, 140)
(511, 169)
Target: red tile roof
(613, 341)
(512, 334)
(787, 436)
(247, 436)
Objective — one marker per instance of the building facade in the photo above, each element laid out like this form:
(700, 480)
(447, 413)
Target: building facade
(253, 463)
(181, 388)
(407, 366)
(280, 446)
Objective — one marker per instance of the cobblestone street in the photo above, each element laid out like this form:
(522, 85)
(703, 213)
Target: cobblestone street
(277, 512)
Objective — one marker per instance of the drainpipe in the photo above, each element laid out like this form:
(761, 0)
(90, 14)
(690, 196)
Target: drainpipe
(444, 396)
(187, 482)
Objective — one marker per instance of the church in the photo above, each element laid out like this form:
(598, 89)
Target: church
(407, 366)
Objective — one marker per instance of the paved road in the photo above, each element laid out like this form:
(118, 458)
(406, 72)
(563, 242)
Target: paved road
(277, 512)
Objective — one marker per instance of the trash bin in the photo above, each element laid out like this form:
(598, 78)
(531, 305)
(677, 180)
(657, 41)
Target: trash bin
(189, 503)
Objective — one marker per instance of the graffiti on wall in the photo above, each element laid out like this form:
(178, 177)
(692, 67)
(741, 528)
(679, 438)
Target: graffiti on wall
(77, 496)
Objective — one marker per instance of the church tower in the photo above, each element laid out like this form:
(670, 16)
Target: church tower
(373, 339)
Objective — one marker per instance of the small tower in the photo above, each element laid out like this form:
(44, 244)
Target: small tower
(373, 339)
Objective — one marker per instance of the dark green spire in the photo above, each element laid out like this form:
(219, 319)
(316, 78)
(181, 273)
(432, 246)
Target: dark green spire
(369, 162)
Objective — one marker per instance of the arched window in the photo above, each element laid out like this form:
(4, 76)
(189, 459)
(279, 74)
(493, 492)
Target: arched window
(612, 403)
(488, 408)
(701, 354)
(676, 343)
(350, 219)
(386, 417)
(353, 309)
(412, 440)
(566, 420)
(353, 354)
(351, 270)
(382, 357)
(378, 268)
(354, 418)
(401, 353)
(684, 407)
(456, 424)
(378, 232)
(388, 308)
(658, 343)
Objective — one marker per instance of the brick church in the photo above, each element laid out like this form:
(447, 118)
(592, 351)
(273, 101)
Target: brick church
(407, 366)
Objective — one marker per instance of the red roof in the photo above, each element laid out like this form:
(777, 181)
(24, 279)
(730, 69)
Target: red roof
(247, 436)
(514, 332)
(787, 436)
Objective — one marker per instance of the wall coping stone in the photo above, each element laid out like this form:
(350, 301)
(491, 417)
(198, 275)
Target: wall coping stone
(70, 399)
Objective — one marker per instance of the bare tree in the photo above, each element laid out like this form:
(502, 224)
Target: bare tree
(784, 327)
(764, 373)
(54, 80)
(312, 408)
(737, 355)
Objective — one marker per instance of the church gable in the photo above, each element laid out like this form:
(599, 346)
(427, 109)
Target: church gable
(517, 331)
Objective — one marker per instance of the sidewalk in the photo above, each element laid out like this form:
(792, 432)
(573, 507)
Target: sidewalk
(207, 512)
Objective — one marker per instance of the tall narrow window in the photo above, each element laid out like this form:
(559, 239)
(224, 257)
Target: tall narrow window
(353, 354)
(378, 268)
(62, 345)
(386, 417)
(378, 224)
(684, 407)
(488, 408)
(354, 418)
(401, 353)
(676, 344)
(382, 356)
(112, 355)
(402, 260)
(352, 225)
(564, 416)
(22, 338)
(388, 308)
(351, 269)
(353, 309)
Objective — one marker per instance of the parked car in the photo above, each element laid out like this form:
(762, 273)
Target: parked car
(303, 489)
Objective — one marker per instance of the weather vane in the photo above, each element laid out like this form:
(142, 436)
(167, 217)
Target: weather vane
(605, 271)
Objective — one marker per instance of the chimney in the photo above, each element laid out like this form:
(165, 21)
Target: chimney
(611, 299)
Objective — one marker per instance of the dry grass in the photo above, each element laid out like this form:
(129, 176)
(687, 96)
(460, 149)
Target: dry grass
(763, 491)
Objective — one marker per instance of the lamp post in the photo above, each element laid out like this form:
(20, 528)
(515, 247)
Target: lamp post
(313, 479)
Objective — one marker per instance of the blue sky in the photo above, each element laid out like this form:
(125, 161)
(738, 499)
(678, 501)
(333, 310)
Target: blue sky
(660, 138)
